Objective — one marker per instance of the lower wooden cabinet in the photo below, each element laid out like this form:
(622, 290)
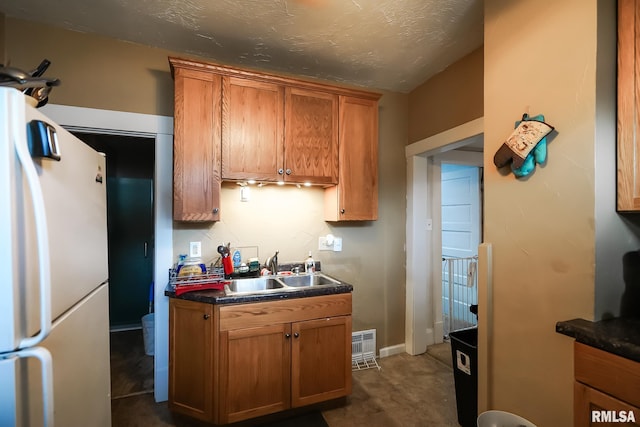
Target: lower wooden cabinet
(256, 372)
(261, 358)
(191, 358)
(606, 390)
(320, 360)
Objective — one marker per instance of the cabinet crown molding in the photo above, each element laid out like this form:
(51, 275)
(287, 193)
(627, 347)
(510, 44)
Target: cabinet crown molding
(226, 70)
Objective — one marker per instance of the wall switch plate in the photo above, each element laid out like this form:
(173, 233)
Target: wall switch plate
(337, 244)
(195, 249)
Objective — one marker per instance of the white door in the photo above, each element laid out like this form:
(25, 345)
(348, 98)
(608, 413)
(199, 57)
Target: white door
(460, 210)
(461, 216)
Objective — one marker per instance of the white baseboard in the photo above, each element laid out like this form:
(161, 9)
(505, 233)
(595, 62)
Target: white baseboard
(438, 327)
(394, 349)
(430, 337)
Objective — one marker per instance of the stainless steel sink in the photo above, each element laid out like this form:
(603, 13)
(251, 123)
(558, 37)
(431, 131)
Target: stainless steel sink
(270, 284)
(305, 280)
(256, 285)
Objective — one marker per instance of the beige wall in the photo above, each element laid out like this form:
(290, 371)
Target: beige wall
(541, 228)
(448, 99)
(95, 71)
(107, 74)
(2, 38)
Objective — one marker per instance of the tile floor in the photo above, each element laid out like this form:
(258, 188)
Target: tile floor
(408, 391)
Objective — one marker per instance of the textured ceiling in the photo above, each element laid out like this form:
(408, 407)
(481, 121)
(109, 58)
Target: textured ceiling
(384, 44)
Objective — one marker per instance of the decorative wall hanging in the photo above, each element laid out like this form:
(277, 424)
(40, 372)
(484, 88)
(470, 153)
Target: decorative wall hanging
(525, 147)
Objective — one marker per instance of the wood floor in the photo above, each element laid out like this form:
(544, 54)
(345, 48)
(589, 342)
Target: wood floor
(408, 391)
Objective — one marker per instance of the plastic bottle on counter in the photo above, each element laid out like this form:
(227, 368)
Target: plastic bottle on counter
(309, 264)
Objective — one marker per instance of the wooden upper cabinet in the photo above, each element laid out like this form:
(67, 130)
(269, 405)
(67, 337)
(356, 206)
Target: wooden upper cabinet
(240, 125)
(311, 136)
(628, 105)
(196, 149)
(356, 195)
(272, 132)
(252, 129)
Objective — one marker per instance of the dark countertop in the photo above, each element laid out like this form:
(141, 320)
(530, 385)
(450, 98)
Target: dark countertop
(619, 336)
(219, 297)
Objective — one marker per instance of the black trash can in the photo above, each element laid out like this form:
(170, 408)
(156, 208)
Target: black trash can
(464, 351)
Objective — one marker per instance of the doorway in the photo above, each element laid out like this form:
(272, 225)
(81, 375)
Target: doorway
(461, 201)
(129, 175)
(423, 323)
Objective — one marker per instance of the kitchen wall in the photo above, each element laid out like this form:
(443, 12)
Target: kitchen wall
(102, 73)
(448, 99)
(2, 38)
(543, 228)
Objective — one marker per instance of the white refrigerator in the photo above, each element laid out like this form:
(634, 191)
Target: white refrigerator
(54, 317)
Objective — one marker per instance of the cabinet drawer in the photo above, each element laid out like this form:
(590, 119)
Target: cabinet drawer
(607, 372)
(284, 311)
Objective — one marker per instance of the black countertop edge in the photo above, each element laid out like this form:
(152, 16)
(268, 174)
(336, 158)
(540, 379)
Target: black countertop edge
(219, 297)
(620, 336)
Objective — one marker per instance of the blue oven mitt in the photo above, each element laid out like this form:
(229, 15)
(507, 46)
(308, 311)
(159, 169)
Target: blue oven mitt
(537, 156)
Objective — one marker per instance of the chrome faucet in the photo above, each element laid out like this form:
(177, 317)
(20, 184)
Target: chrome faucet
(273, 263)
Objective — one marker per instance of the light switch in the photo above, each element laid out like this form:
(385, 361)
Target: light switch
(337, 244)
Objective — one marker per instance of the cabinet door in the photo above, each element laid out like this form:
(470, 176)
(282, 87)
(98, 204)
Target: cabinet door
(252, 129)
(311, 136)
(255, 371)
(190, 358)
(356, 195)
(628, 103)
(196, 150)
(594, 408)
(320, 360)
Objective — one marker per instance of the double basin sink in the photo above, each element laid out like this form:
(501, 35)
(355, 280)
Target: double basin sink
(270, 284)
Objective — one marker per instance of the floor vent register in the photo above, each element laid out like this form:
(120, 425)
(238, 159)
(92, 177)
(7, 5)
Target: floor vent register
(363, 350)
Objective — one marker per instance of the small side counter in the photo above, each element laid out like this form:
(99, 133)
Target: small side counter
(606, 370)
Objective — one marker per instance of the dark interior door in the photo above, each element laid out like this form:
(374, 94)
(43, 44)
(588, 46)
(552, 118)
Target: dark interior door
(130, 222)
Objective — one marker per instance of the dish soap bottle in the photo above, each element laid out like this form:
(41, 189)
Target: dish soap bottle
(309, 264)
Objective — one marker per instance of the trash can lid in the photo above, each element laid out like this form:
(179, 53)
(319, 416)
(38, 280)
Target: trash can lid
(496, 418)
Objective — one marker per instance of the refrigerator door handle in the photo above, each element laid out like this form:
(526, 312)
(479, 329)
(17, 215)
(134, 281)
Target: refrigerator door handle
(43, 355)
(19, 137)
(145, 249)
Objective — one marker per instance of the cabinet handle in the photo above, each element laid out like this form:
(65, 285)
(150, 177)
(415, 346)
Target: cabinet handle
(341, 211)
(216, 210)
(287, 336)
(206, 317)
(288, 171)
(296, 335)
(280, 171)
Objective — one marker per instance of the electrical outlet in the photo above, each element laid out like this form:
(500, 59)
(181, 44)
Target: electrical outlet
(195, 249)
(337, 244)
(323, 245)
